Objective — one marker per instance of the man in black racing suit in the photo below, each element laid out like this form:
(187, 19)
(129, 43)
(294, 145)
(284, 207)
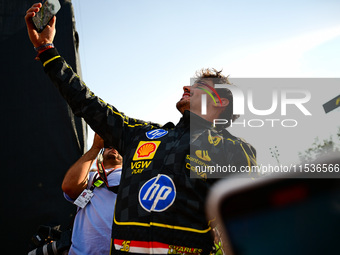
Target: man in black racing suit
(160, 206)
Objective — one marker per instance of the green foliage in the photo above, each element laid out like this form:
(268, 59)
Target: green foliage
(319, 148)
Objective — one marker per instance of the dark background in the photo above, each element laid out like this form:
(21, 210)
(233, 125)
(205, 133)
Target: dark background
(40, 137)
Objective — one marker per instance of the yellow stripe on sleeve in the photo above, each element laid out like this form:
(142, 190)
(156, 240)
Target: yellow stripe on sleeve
(50, 60)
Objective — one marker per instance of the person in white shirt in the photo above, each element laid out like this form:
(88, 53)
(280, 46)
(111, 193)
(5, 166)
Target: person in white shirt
(92, 225)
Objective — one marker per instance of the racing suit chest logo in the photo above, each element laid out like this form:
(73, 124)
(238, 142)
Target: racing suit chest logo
(155, 134)
(157, 194)
(215, 140)
(146, 150)
(203, 154)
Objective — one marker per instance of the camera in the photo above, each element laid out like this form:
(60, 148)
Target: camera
(51, 241)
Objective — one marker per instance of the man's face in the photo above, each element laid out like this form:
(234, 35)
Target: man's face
(192, 96)
(112, 156)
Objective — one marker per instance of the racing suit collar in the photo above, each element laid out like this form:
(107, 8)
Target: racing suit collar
(193, 119)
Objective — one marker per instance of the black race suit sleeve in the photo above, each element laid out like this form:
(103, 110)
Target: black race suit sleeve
(102, 117)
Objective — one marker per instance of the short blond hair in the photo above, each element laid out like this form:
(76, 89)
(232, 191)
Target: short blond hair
(218, 78)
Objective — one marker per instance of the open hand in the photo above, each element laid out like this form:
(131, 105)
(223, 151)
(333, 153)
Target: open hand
(47, 35)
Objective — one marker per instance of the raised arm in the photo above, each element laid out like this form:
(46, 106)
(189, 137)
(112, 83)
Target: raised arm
(102, 117)
(76, 178)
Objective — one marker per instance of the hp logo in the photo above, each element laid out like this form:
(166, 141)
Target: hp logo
(157, 194)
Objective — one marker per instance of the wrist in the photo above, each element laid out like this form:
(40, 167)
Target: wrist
(95, 149)
(44, 47)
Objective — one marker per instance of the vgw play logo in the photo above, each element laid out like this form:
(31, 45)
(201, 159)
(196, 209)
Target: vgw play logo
(295, 97)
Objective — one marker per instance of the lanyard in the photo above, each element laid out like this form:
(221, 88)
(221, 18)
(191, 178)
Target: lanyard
(102, 175)
(100, 167)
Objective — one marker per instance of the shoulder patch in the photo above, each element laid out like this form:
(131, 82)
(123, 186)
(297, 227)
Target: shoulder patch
(155, 134)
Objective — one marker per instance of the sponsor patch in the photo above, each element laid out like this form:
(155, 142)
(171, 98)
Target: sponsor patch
(215, 140)
(155, 134)
(146, 150)
(157, 194)
(192, 168)
(203, 154)
(137, 167)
